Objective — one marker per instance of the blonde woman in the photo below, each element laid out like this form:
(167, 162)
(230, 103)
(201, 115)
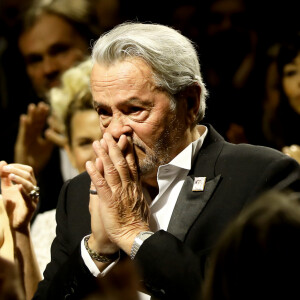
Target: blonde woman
(73, 112)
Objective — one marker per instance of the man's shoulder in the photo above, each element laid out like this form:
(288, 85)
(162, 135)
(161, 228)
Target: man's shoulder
(215, 146)
(80, 179)
(256, 151)
(77, 186)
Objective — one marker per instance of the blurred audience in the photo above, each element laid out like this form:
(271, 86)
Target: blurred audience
(14, 85)
(229, 49)
(257, 256)
(279, 126)
(72, 106)
(55, 35)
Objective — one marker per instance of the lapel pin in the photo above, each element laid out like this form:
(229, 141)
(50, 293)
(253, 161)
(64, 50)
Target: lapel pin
(199, 183)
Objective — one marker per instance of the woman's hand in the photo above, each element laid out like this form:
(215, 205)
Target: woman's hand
(292, 151)
(6, 239)
(17, 181)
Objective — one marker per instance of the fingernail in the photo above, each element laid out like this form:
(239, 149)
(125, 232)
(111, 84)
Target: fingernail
(6, 168)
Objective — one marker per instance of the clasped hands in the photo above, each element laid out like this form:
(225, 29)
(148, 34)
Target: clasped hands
(119, 211)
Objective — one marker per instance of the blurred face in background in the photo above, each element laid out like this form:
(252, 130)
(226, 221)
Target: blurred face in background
(50, 47)
(84, 130)
(291, 83)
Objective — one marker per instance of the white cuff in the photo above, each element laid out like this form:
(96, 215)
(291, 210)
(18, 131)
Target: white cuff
(91, 265)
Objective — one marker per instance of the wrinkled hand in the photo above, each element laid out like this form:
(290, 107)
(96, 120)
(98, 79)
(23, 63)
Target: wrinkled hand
(99, 240)
(122, 206)
(31, 147)
(17, 181)
(292, 151)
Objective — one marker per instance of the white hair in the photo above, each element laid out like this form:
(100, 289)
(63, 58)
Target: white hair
(172, 57)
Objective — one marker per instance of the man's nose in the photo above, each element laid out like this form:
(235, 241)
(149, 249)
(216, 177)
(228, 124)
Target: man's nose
(50, 65)
(118, 126)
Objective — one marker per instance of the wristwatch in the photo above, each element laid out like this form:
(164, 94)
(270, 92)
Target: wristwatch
(138, 241)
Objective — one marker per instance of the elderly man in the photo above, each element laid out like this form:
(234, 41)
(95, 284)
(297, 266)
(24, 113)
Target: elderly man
(163, 188)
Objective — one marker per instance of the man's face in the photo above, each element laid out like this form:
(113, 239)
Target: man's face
(128, 102)
(50, 47)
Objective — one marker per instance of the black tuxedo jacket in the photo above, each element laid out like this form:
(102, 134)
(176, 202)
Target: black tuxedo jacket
(173, 262)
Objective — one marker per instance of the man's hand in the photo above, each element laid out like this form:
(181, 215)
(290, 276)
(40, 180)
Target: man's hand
(99, 240)
(31, 147)
(122, 207)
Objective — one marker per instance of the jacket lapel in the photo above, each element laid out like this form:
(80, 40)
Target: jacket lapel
(190, 203)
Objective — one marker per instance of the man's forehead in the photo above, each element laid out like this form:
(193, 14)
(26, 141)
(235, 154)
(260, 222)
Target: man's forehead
(131, 72)
(47, 30)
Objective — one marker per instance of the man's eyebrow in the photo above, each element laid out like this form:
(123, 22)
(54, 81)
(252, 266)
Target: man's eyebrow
(131, 101)
(100, 105)
(138, 101)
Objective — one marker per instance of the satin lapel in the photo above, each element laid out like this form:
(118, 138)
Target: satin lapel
(189, 206)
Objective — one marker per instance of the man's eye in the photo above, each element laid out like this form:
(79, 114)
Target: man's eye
(33, 59)
(102, 112)
(135, 109)
(59, 48)
(290, 73)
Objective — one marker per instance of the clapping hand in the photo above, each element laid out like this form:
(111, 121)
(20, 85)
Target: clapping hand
(17, 183)
(31, 147)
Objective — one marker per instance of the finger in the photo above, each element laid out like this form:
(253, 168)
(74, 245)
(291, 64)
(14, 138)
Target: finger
(21, 167)
(56, 138)
(97, 145)
(98, 180)
(2, 164)
(21, 137)
(130, 157)
(10, 169)
(115, 160)
(111, 173)
(37, 117)
(55, 124)
(27, 185)
(98, 162)
(123, 142)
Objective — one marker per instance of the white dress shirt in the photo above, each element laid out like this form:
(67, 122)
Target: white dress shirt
(170, 178)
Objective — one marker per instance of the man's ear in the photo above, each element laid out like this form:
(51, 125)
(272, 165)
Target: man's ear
(70, 155)
(192, 98)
